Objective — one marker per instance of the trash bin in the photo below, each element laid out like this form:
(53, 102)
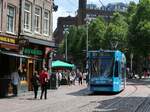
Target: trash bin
(4, 87)
(53, 82)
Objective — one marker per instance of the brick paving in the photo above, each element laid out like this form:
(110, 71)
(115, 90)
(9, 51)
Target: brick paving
(75, 98)
(25, 102)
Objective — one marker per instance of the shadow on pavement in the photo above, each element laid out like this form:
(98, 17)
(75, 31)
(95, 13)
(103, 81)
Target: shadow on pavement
(138, 81)
(86, 92)
(123, 104)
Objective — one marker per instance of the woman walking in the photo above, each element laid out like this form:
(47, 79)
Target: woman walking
(35, 83)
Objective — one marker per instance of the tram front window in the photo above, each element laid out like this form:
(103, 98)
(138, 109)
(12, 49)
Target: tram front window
(102, 66)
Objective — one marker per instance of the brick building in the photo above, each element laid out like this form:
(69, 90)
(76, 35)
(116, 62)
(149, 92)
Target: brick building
(26, 40)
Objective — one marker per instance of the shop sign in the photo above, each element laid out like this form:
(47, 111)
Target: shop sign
(30, 51)
(7, 39)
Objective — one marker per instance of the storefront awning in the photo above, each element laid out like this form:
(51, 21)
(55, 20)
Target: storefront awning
(14, 54)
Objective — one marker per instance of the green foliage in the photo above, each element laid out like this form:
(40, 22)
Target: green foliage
(116, 32)
(139, 29)
(131, 11)
(96, 32)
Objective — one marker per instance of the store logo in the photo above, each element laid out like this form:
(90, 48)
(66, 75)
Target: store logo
(7, 39)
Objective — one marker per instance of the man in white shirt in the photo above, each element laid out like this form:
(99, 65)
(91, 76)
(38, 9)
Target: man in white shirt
(15, 79)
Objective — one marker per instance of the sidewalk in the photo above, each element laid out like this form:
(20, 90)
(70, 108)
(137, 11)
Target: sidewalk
(25, 102)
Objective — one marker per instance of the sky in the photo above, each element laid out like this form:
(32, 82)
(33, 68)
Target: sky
(69, 7)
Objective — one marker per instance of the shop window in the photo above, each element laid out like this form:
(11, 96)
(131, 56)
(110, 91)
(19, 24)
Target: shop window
(37, 19)
(10, 18)
(27, 16)
(46, 23)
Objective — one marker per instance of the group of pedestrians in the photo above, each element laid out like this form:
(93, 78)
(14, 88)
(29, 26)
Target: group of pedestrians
(37, 80)
(40, 80)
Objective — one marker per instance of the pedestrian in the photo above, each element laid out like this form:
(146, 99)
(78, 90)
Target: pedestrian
(80, 78)
(59, 77)
(35, 83)
(44, 82)
(15, 80)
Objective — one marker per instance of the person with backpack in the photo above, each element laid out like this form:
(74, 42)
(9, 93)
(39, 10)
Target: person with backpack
(44, 77)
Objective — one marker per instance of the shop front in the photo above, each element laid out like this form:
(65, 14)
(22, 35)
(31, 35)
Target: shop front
(39, 59)
(8, 62)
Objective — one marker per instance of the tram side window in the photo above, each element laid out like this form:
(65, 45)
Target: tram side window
(116, 69)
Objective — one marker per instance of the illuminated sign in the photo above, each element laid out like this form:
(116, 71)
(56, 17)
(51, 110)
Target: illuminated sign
(30, 51)
(7, 39)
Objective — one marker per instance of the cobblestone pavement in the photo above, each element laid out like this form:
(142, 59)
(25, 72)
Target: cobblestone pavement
(77, 98)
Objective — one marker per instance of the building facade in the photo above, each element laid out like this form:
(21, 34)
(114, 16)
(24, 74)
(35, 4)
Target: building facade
(9, 17)
(26, 40)
(36, 28)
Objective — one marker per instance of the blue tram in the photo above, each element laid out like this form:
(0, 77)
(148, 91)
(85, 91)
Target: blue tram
(106, 70)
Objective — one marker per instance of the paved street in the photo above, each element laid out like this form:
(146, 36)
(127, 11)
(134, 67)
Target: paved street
(77, 98)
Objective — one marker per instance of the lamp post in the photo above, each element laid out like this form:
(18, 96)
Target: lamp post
(66, 43)
(131, 62)
(87, 39)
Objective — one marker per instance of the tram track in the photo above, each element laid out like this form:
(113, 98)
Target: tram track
(96, 103)
(120, 99)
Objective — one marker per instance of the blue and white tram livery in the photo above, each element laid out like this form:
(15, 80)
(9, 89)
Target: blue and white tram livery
(107, 70)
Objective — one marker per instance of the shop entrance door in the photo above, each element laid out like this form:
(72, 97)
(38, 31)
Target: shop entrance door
(30, 71)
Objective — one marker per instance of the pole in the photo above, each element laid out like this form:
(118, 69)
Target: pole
(131, 56)
(66, 53)
(87, 46)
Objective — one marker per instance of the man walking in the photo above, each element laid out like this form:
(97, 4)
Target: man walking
(44, 81)
(15, 79)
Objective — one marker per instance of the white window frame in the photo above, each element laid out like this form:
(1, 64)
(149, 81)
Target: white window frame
(46, 23)
(27, 25)
(1, 14)
(12, 17)
(37, 20)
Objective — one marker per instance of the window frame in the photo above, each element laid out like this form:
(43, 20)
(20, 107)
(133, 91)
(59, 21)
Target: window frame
(37, 28)
(27, 27)
(45, 25)
(13, 17)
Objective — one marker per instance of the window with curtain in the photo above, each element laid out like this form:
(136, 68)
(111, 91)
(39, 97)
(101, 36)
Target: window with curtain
(46, 23)
(37, 19)
(27, 16)
(10, 18)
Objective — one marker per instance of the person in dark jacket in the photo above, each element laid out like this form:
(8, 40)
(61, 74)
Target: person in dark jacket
(35, 83)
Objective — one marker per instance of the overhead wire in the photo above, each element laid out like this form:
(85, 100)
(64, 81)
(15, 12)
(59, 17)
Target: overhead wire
(101, 3)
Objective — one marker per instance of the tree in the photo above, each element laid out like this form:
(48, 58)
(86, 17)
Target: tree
(76, 39)
(75, 44)
(139, 30)
(139, 34)
(116, 33)
(96, 32)
(131, 11)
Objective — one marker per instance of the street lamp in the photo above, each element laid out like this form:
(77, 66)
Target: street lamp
(66, 43)
(87, 19)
